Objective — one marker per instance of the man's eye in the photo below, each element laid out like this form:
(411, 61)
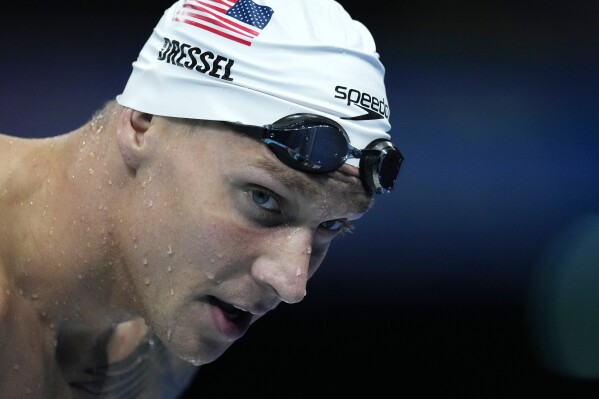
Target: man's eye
(264, 200)
(335, 225)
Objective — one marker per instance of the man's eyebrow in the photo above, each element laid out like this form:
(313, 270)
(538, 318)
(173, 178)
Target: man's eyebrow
(358, 200)
(289, 178)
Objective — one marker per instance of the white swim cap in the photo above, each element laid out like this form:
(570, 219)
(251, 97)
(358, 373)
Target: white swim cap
(254, 62)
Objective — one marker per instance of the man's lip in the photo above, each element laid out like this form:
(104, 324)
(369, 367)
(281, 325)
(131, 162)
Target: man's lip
(231, 320)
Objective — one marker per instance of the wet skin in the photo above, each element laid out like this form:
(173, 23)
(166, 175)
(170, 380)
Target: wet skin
(195, 232)
(227, 246)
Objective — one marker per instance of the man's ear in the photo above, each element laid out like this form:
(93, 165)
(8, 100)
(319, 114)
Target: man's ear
(131, 127)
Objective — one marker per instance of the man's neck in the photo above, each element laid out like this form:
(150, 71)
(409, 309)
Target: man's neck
(59, 245)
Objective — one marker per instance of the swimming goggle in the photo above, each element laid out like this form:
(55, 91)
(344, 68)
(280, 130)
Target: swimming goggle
(312, 143)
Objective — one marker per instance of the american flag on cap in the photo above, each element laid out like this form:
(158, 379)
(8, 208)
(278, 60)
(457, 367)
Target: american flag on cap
(238, 20)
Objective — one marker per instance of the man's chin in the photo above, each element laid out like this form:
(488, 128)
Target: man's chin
(195, 351)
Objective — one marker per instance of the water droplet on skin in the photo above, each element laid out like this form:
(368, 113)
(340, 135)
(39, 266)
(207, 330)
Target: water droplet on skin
(147, 281)
(150, 203)
(91, 171)
(172, 292)
(169, 268)
(168, 334)
(169, 251)
(298, 272)
(210, 275)
(144, 261)
(35, 296)
(220, 255)
(309, 251)
(20, 291)
(151, 342)
(79, 276)
(109, 182)
(293, 233)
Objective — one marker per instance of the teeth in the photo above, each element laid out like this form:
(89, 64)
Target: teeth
(240, 308)
(232, 311)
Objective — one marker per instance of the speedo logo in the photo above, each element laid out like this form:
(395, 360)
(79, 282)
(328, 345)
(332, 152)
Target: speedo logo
(375, 108)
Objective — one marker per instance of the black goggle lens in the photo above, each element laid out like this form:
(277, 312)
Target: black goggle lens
(379, 166)
(389, 169)
(312, 143)
(319, 148)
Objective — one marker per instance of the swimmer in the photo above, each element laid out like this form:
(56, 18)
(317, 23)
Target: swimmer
(142, 245)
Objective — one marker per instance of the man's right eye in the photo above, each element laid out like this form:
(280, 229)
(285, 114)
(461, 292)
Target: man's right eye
(264, 200)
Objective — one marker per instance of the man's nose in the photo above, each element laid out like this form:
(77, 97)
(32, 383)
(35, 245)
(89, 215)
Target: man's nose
(285, 262)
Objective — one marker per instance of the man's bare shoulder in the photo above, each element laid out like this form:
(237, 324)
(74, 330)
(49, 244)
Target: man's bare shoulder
(13, 152)
(4, 300)
(8, 146)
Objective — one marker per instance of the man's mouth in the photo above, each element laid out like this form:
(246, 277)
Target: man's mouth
(232, 312)
(231, 320)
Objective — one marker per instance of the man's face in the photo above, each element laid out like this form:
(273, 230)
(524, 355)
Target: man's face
(221, 232)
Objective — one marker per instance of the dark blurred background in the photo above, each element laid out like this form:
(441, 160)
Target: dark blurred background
(479, 276)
